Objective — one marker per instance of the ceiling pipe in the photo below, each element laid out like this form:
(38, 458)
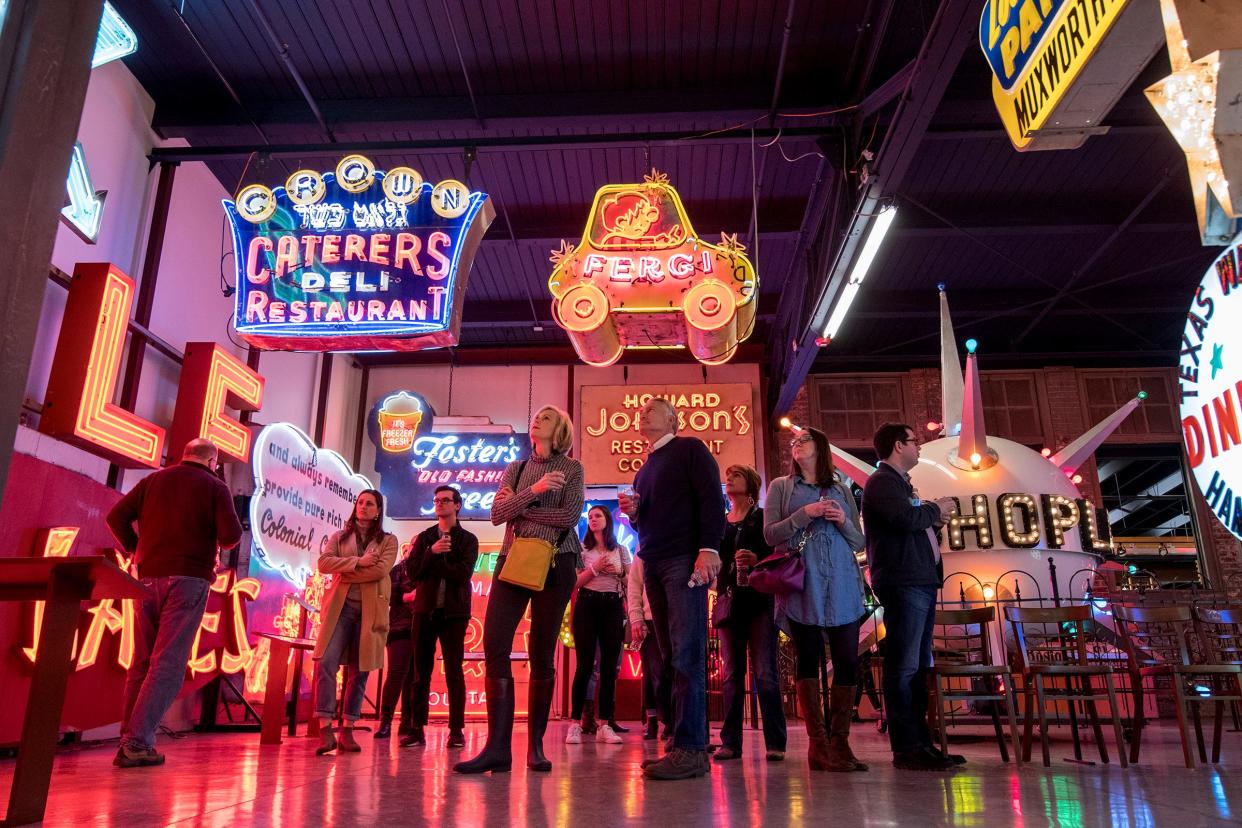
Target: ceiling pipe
(780, 64)
(282, 49)
(228, 87)
(489, 144)
(461, 61)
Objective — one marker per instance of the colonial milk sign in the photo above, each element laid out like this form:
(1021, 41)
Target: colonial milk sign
(302, 495)
(1210, 375)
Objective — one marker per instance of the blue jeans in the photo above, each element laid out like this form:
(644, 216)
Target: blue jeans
(909, 618)
(756, 633)
(168, 618)
(680, 617)
(342, 648)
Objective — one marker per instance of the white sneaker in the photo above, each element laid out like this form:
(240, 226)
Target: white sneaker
(607, 734)
(574, 737)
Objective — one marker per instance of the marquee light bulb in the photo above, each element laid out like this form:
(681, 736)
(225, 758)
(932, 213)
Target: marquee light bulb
(975, 460)
(785, 422)
(988, 593)
(1076, 479)
(932, 425)
(1046, 452)
(1142, 395)
(971, 345)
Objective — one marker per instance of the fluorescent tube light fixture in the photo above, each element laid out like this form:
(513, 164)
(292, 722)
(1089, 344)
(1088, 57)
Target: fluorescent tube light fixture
(875, 238)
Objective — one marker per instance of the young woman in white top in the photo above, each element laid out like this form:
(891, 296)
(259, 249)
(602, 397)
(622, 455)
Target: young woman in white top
(599, 619)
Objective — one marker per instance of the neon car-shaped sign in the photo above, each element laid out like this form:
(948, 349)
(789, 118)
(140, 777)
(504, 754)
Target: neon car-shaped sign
(642, 278)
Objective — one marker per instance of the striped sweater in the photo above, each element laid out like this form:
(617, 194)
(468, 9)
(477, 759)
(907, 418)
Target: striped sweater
(544, 516)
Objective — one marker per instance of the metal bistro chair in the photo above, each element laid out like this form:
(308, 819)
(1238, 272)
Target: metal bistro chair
(1219, 678)
(1052, 647)
(963, 650)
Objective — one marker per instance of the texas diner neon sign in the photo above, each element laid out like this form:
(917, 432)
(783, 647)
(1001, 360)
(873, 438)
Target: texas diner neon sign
(642, 278)
(356, 259)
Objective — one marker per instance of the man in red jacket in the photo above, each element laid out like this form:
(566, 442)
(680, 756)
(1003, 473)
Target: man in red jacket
(184, 515)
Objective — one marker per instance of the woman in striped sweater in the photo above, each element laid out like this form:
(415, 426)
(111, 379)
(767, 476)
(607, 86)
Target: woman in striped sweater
(539, 497)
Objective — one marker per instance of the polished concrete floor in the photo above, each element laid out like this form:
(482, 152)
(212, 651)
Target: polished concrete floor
(230, 780)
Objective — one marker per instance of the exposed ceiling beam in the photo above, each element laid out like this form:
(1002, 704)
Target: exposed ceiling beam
(528, 112)
(1100, 250)
(887, 92)
(537, 355)
(828, 362)
(482, 144)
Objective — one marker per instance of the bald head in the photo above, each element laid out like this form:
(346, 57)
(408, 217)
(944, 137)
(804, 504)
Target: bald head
(200, 450)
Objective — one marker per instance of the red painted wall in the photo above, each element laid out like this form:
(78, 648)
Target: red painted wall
(40, 495)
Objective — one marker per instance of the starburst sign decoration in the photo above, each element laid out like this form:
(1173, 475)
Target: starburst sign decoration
(1201, 105)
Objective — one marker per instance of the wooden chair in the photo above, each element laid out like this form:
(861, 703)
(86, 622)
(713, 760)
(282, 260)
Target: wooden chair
(963, 648)
(1155, 639)
(1052, 648)
(1219, 678)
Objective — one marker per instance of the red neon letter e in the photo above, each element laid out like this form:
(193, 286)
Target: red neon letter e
(212, 378)
(77, 406)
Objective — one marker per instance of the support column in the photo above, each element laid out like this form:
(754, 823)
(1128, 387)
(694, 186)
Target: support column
(43, 87)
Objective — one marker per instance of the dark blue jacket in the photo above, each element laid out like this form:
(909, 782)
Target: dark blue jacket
(681, 507)
(899, 551)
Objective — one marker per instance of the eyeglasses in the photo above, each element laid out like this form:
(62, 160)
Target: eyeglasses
(439, 501)
(797, 441)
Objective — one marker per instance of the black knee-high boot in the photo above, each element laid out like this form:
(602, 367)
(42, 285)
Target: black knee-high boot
(540, 705)
(497, 754)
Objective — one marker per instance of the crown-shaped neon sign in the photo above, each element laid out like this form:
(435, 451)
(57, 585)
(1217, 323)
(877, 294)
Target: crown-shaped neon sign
(354, 259)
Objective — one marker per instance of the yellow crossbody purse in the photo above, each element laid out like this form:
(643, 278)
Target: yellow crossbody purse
(529, 559)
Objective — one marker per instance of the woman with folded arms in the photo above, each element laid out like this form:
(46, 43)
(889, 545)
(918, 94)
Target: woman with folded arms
(355, 615)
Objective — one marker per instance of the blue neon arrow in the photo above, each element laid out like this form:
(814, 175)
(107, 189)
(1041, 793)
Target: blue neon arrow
(85, 211)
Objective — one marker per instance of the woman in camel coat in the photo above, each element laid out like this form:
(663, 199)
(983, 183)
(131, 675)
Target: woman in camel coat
(355, 614)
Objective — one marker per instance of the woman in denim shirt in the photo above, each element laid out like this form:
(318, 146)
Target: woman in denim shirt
(811, 509)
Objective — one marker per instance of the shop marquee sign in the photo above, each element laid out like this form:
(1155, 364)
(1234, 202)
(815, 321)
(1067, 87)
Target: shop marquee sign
(354, 259)
(640, 277)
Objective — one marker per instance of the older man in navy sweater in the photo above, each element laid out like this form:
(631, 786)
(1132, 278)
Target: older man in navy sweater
(679, 512)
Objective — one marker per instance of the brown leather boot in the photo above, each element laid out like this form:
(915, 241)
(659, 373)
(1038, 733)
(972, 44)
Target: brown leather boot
(819, 755)
(348, 745)
(840, 709)
(327, 740)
